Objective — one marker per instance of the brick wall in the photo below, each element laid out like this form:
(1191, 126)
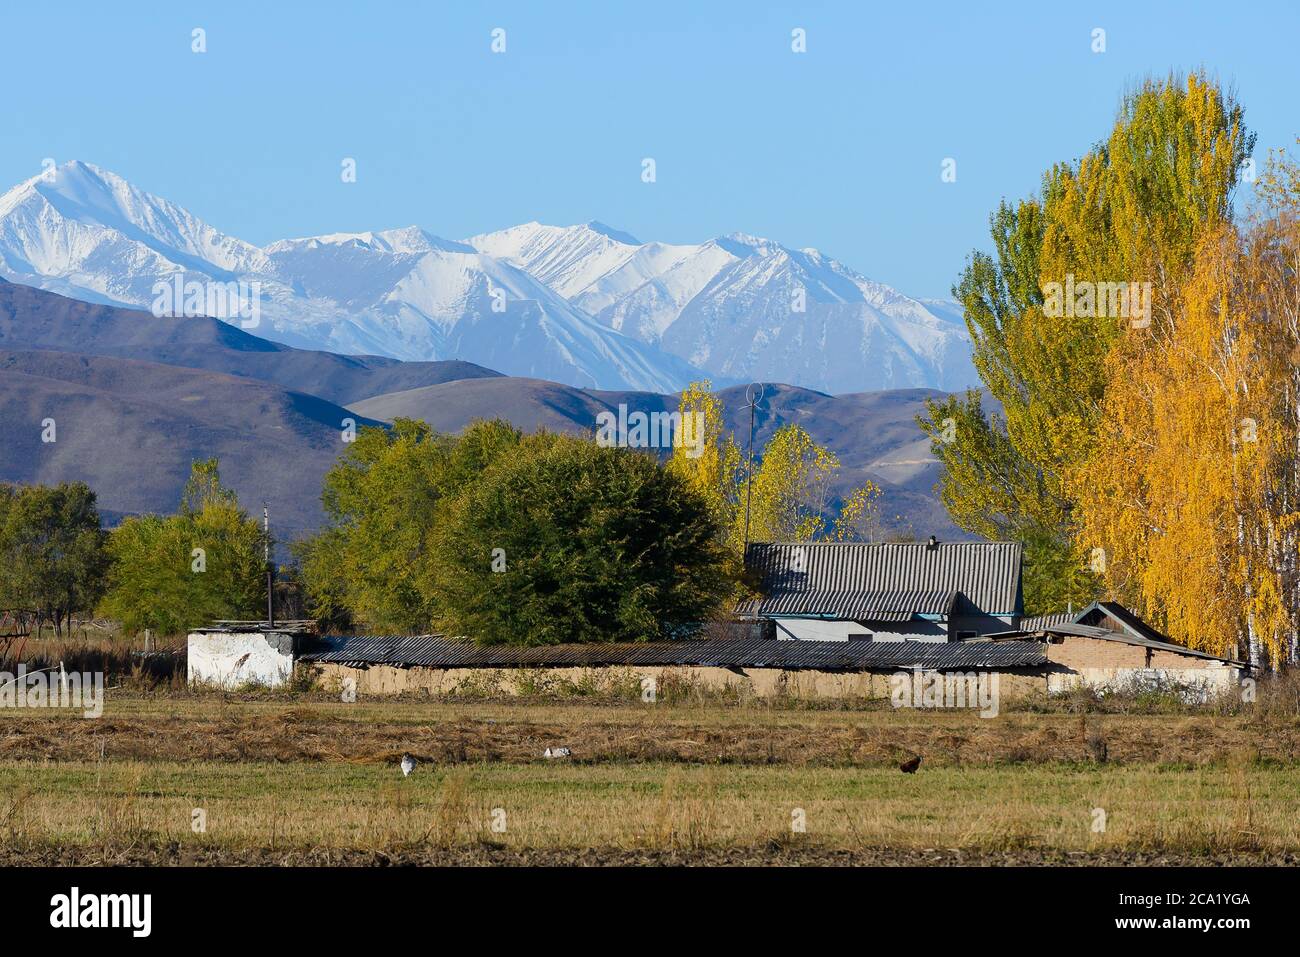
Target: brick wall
(1078, 653)
(1170, 659)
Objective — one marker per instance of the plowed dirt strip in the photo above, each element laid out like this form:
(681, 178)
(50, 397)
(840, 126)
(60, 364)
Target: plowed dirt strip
(219, 731)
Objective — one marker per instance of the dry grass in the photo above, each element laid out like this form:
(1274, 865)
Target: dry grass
(115, 807)
(156, 666)
(292, 779)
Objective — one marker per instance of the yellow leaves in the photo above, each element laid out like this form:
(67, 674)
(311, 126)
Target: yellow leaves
(1197, 520)
(1278, 188)
(859, 513)
(1178, 484)
(1162, 442)
(706, 455)
(788, 494)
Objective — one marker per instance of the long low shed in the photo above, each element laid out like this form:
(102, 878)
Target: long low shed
(437, 651)
(435, 664)
(1115, 653)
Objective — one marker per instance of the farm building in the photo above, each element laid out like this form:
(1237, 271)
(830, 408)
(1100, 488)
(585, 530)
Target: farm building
(1108, 646)
(849, 591)
(1015, 662)
(230, 654)
(1045, 662)
(859, 616)
(433, 664)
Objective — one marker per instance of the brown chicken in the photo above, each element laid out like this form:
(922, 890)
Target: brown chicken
(909, 767)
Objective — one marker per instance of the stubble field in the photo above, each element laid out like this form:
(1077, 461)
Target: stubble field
(281, 779)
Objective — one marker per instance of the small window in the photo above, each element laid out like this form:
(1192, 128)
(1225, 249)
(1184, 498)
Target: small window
(963, 635)
(865, 636)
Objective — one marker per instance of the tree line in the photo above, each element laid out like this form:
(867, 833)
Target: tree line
(490, 533)
(1141, 345)
(548, 538)
(165, 573)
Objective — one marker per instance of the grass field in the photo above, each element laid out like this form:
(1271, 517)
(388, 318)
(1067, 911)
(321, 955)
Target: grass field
(283, 779)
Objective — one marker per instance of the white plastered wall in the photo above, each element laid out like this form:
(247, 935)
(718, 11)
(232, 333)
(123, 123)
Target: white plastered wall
(228, 660)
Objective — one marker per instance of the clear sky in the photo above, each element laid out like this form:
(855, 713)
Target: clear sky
(839, 148)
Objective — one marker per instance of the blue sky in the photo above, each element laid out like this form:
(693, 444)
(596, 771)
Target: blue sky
(838, 148)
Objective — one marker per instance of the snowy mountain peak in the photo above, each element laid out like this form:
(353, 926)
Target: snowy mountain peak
(566, 258)
(406, 239)
(74, 181)
(87, 232)
(609, 232)
(743, 244)
(587, 305)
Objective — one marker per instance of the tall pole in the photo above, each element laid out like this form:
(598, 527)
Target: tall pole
(754, 398)
(270, 569)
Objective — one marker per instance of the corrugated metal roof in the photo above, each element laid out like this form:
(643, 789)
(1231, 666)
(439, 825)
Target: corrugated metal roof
(436, 651)
(1126, 618)
(1083, 631)
(869, 581)
(295, 626)
(1131, 638)
(859, 606)
(1104, 634)
(1044, 621)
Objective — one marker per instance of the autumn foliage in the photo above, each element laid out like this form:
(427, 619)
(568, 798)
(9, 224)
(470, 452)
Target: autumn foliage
(1193, 490)
(1146, 436)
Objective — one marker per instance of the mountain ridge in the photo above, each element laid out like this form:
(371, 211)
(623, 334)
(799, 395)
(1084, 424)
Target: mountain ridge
(136, 398)
(588, 305)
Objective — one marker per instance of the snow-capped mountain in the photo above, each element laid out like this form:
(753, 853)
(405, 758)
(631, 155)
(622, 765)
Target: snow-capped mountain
(583, 305)
(747, 308)
(91, 233)
(85, 232)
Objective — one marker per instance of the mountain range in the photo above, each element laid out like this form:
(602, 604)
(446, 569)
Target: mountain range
(136, 398)
(585, 306)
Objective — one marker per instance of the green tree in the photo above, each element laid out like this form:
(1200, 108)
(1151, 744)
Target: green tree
(566, 541)
(52, 558)
(181, 571)
(383, 499)
(1131, 211)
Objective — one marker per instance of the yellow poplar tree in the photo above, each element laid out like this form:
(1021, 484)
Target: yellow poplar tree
(788, 494)
(1192, 496)
(1132, 211)
(714, 471)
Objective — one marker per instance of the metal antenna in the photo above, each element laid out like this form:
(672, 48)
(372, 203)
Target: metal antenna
(754, 393)
(270, 569)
